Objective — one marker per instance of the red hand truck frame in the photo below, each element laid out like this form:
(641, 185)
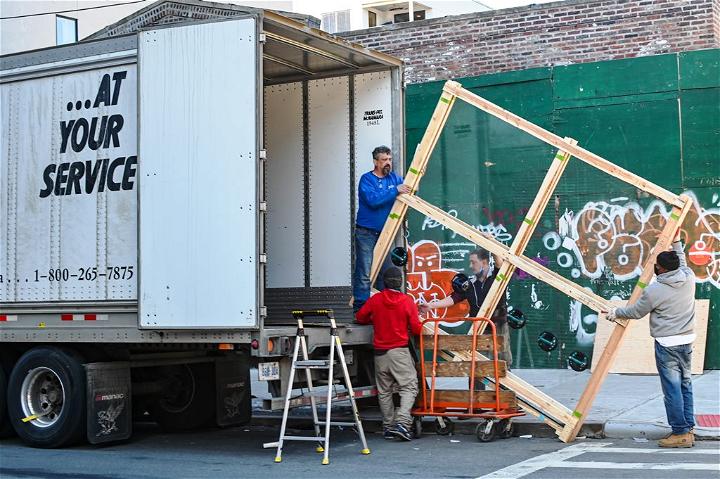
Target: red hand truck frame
(494, 411)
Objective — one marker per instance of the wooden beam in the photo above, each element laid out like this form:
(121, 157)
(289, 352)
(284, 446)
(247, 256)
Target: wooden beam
(531, 267)
(461, 369)
(525, 232)
(552, 139)
(462, 342)
(463, 396)
(602, 368)
(412, 179)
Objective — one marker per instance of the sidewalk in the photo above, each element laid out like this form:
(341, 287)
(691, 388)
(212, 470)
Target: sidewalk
(628, 406)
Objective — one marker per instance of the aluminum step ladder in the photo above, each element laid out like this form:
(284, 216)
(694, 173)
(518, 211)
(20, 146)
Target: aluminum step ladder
(307, 364)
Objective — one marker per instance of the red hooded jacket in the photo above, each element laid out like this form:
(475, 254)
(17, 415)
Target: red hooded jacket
(392, 314)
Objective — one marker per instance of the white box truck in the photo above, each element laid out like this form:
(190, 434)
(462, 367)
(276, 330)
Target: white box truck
(167, 197)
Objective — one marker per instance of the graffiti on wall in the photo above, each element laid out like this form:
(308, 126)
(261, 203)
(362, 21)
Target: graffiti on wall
(604, 241)
(616, 236)
(429, 280)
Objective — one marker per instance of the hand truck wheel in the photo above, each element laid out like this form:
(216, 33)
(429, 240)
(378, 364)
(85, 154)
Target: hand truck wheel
(485, 430)
(506, 428)
(417, 427)
(444, 426)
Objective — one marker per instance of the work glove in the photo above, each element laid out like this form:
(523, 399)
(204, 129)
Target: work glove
(610, 316)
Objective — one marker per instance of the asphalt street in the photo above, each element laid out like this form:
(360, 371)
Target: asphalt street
(238, 453)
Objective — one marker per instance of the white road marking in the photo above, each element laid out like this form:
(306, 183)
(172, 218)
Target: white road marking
(559, 459)
(694, 450)
(685, 466)
(543, 461)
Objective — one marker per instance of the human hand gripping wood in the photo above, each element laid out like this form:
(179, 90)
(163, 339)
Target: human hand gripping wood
(404, 189)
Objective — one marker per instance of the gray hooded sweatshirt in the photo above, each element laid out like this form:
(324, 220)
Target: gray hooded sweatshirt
(670, 301)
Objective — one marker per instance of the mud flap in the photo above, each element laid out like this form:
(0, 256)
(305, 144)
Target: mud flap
(109, 407)
(232, 380)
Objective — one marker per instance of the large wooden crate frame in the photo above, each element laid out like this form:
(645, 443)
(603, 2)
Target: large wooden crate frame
(565, 422)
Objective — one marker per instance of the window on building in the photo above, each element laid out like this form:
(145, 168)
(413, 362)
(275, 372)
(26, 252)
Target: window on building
(66, 30)
(372, 19)
(405, 17)
(334, 22)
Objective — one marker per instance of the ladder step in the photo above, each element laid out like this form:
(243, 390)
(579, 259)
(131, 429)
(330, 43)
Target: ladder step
(337, 423)
(304, 438)
(312, 364)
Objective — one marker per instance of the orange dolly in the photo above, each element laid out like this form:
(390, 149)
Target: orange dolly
(494, 408)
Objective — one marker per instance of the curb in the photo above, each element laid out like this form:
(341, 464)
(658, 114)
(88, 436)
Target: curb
(652, 431)
(536, 429)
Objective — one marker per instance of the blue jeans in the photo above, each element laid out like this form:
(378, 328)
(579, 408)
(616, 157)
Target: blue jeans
(673, 365)
(365, 240)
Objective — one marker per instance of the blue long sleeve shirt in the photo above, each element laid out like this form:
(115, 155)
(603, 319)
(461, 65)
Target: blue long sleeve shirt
(376, 197)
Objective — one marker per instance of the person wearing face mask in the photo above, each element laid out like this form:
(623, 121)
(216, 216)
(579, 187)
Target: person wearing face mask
(670, 301)
(475, 293)
(376, 194)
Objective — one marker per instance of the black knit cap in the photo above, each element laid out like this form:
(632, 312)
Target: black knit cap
(392, 277)
(668, 260)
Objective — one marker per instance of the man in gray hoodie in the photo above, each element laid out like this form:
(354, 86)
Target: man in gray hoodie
(670, 301)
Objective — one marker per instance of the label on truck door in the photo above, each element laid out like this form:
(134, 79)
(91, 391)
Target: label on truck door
(68, 187)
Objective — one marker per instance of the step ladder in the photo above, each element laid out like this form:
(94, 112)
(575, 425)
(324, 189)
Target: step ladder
(307, 364)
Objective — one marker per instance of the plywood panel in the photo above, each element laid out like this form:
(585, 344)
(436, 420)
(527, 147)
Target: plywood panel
(637, 352)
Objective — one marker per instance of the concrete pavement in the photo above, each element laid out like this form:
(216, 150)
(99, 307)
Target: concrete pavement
(237, 453)
(628, 406)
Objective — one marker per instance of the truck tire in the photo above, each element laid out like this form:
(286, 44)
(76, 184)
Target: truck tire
(49, 383)
(6, 429)
(189, 402)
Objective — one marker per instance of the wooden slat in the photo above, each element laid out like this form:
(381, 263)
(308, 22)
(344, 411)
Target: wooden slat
(461, 369)
(525, 232)
(526, 264)
(462, 342)
(507, 398)
(677, 216)
(552, 139)
(412, 179)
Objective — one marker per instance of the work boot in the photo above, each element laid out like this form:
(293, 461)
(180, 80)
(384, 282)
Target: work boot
(692, 435)
(677, 440)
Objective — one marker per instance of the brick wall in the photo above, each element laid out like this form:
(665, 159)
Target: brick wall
(559, 33)
(716, 21)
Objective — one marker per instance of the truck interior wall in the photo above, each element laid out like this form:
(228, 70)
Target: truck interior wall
(310, 256)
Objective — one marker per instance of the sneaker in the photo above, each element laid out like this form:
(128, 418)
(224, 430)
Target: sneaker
(402, 432)
(677, 440)
(388, 434)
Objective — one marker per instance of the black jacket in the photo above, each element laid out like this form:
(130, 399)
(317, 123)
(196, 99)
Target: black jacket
(476, 293)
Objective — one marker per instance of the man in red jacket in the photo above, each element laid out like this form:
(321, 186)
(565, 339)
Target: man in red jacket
(393, 315)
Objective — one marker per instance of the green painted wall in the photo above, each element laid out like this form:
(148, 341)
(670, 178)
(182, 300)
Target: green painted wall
(656, 116)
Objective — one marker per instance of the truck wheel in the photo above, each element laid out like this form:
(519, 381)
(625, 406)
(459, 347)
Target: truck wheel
(47, 389)
(189, 400)
(6, 429)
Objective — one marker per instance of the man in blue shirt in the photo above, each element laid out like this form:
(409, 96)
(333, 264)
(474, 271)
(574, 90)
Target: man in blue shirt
(377, 191)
